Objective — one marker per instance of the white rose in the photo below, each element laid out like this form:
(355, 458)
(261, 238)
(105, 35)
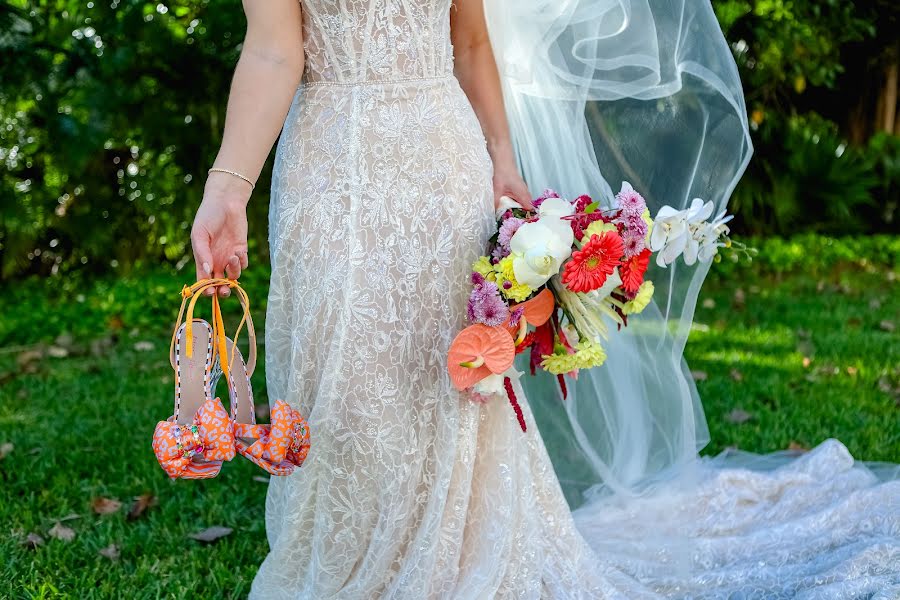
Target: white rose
(539, 249)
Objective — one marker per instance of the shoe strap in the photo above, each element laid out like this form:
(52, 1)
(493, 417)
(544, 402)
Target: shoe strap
(189, 296)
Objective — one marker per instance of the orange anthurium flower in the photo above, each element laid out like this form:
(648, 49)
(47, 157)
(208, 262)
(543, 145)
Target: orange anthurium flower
(537, 311)
(478, 351)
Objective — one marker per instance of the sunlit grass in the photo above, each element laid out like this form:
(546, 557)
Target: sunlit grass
(807, 356)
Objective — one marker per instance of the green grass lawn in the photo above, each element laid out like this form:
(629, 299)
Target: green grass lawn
(785, 355)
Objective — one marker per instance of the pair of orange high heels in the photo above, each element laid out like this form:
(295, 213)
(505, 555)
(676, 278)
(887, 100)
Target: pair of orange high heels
(200, 435)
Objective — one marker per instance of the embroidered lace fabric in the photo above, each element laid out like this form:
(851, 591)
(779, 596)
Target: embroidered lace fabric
(381, 201)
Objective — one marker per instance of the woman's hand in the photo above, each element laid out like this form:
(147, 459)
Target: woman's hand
(508, 182)
(219, 233)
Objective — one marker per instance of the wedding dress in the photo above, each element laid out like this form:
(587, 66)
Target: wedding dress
(381, 201)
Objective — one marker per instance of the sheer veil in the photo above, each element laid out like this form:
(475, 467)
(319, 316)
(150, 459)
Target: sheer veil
(603, 91)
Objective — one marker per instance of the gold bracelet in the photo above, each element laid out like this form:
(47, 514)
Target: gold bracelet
(252, 185)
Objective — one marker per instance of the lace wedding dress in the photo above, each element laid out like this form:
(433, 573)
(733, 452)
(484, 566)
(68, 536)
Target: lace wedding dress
(381, 201)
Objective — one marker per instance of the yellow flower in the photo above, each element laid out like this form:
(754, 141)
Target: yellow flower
(589, 354)
(598, 228)
(484, 267)
(560, 363)
(517, 292)
(646, 217)
(641, 300)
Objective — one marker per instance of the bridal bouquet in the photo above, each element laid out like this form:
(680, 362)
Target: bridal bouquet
(569, 268)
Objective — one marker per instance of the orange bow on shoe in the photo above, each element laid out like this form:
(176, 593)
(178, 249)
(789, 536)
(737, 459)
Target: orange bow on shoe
(280, 446)
(196, 451)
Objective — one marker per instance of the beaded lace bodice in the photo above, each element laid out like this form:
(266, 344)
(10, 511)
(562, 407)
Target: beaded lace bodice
(350, 41)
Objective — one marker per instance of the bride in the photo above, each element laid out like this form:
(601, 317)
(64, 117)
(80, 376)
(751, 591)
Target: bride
(411, 120)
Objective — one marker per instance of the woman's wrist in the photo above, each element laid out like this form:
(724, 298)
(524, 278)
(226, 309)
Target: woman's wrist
(226, 188)
(501, 152)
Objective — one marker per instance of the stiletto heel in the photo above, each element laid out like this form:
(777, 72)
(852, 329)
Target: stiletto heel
(278, 447)
(199, 436)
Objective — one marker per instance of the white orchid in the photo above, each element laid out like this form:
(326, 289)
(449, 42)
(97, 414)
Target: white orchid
(539, 249)
(704, 242)
(555, 208)
(677, 232)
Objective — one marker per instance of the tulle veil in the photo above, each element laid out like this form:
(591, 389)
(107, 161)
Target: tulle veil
(646, 91)
(603, 91)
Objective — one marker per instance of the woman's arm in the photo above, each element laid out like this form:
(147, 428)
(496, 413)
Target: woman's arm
(264, 82)
(476, 71)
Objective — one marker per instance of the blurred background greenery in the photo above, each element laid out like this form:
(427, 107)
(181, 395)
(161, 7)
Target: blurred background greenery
(111, 111)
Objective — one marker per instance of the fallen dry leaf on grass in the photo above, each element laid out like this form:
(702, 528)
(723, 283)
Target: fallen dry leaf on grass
(105, 506)
(61, 532)
(211, 534)
(5, 449)
(887, 326)
(737, 375)
(111, 552)
(141, 504)
(738, 416)
(699, 375)
(797, 447)
(33, 540)
(69, 517)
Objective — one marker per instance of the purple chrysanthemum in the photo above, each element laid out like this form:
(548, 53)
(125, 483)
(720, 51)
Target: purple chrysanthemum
(486, 306)
(507, 229)
(630, 202)
(633, 244)
(515, 315)
(636, 225)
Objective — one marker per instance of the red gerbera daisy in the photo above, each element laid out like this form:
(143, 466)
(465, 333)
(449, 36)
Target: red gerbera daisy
(632, 271)
(596, 261)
